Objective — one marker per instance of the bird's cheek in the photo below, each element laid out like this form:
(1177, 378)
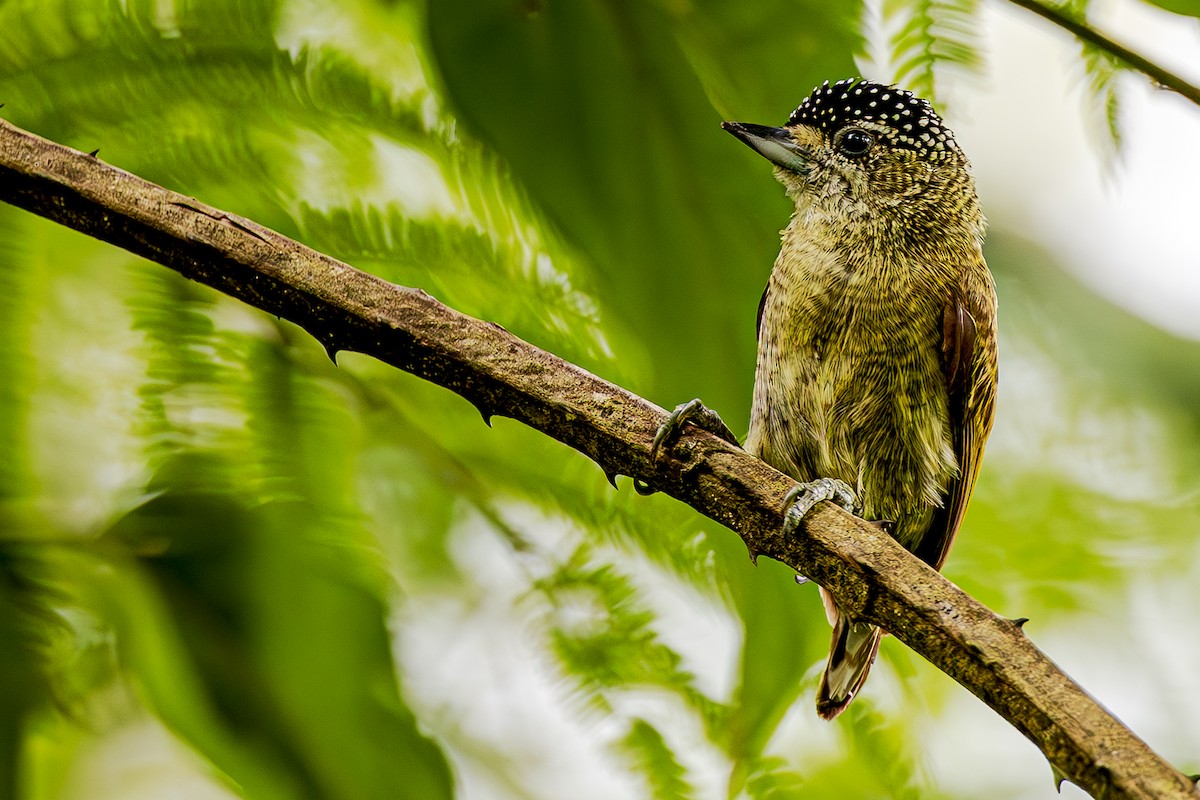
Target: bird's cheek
(846, 183)
(900, 183)
(794, 182)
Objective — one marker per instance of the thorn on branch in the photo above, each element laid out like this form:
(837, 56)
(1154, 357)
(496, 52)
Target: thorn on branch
(1020, 622)
(95, 152)
(1059, 778)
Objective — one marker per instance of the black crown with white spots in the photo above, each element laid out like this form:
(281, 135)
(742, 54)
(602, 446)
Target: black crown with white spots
(911, 122)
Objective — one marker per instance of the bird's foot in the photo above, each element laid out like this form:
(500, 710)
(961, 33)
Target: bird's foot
(692, 412)
(800, 501)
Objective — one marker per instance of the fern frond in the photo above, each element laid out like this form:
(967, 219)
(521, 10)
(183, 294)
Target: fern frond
(604, 638)
(651, 756)
(1101, 71)
(924, 35)
(772, 778)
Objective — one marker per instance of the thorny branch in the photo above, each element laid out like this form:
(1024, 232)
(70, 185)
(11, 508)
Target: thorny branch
(871, 576)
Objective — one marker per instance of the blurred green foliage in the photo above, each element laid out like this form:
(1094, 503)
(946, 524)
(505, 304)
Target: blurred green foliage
(293, 580)
(1188, 7)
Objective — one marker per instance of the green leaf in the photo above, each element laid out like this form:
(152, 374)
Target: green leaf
(1189, 8)
(258, 640)
(26, 623)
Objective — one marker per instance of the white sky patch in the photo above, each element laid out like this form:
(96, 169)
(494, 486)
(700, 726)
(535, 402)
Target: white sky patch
(166, 19)
(1108, 654)
(308, 23)
(1050, 421)
(140, 761)
(693, 624)
(414, 179)
(517, 709)
(328, 178)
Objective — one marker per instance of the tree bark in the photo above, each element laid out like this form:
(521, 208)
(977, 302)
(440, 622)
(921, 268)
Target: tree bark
(872, 577)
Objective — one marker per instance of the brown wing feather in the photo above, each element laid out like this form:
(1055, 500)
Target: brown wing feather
(969, 360)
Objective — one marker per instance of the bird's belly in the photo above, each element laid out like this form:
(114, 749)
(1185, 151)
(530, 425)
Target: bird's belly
(877, 421)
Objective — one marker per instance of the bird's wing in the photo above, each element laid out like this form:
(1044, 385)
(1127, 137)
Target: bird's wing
(969, 362)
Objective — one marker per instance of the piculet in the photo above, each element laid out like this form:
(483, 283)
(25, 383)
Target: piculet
(875, 385)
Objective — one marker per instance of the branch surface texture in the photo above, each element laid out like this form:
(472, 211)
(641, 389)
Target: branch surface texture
(872, 577)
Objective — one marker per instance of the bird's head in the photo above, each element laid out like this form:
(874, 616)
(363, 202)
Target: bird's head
(860, 148)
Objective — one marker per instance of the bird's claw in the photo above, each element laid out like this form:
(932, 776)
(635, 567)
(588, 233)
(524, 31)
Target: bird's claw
(695, 413)
(804, 496)
(692, 412)
(801, 499)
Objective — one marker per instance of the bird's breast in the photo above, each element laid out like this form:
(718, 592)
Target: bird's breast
(849, 385)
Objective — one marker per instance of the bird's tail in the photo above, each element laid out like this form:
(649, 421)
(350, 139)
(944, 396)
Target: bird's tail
(851, 654)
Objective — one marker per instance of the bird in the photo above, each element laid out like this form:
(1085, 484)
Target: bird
(876, 372)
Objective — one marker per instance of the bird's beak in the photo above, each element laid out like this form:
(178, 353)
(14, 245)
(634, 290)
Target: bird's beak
(774, 144)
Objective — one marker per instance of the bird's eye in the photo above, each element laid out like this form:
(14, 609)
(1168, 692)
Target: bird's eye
(856, 142)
